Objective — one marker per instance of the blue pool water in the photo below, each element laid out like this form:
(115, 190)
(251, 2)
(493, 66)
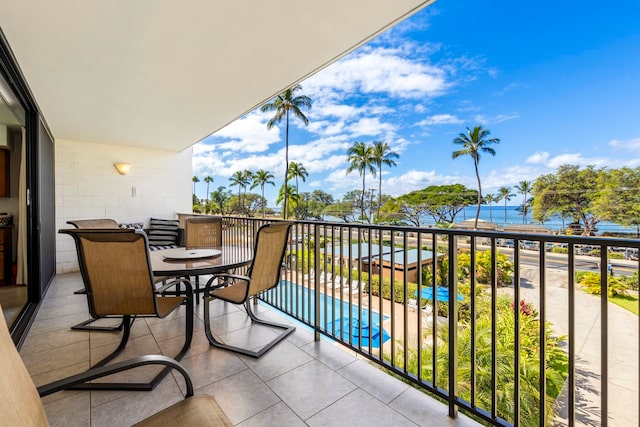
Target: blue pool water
(337, 316)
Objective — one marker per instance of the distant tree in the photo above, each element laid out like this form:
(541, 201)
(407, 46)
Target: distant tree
(489, 198)
(262, 178)
(361, 158)
(505, 194)
(619, 198)
(313, 205)
(282, 104)
(220, 198)
(524, 188)
(253, 203)
(195, 180)
(382, 155)
(297, 171)
(441, 202)
(572, 191)
(475, 142)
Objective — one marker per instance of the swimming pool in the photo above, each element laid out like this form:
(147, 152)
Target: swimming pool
(337, 317)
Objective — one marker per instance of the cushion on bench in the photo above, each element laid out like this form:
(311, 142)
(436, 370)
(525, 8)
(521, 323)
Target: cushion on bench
(163, 233)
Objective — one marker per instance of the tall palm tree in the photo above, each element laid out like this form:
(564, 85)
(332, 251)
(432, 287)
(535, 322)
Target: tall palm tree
(524, 188)
(195, 179)
(208, 180)
(360, 158)
(292, 194)
(282, 104)
(382, 155)
(475, 142)
(262, 178)
(505, 194)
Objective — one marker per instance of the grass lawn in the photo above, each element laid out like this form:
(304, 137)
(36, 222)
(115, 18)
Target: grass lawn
(627, 302)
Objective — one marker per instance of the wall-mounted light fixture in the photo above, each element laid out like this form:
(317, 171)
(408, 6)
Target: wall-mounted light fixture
(123, 168)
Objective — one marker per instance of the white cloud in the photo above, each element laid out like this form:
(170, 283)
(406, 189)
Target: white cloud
(631, 144)
(415, 180)
(248, 134)
(370, 127)
(539, 157)
(440, 119)
(378, 70)
(485, 120)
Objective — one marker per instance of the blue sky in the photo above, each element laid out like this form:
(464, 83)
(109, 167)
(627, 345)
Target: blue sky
(558, 83)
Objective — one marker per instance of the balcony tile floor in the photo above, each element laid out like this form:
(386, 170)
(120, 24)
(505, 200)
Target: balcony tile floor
(299, 382)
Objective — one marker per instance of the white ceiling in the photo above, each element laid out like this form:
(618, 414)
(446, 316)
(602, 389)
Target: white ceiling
(164, 74)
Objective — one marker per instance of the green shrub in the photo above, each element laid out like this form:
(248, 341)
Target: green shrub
(504, 268)
(590, 282)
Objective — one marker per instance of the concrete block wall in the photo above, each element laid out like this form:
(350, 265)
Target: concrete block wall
(88, 186)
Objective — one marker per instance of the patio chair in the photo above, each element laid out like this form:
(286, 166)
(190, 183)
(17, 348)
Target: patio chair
(116, 270)
(21, 402)
(263, 274)
(202, 232)
(99, 223)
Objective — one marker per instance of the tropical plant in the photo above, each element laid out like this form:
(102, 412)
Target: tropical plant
(479, 338)
(506, 195)
(221, 198)
(489, 198)
(241, 179)
(592, 284)
(282, 104)
(208, 180)
(475, 142)
(361, 158)
(382, 155)
(297, 171)
(484, 261)
(524, 188)
(262, 178)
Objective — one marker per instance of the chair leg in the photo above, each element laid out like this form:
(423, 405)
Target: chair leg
(83, 326)
(287, 329)
(127, 321)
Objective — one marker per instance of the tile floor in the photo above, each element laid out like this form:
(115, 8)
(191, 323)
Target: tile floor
(299, 382)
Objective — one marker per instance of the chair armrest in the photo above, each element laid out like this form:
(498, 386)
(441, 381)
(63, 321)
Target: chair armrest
(175, 282)
(114, 368)
(225, 277)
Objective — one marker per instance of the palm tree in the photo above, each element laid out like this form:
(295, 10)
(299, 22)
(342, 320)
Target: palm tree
(475, 142)
(489, 198)
(524, 187)
(208, 180)
(241, 179)
(282, 104)
(505, 194)
(195, 179)
(382, 155)
(297, 170)
(360, 158)
(293, 196)
(262, 178)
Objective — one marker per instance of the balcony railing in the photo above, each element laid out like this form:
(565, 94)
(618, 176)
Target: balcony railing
(509, 322)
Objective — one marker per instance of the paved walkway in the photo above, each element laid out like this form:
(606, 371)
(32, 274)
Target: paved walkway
(623, 351)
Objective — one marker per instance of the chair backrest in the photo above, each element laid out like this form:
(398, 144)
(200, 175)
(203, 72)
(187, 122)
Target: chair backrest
(203, 232)
(20, 404)
(271, 243)
(94, 223)
(116, 269)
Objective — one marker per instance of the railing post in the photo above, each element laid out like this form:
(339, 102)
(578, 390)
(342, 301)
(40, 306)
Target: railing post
(316, 282)
(453, 325)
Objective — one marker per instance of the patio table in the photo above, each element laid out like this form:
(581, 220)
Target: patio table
(223, 258)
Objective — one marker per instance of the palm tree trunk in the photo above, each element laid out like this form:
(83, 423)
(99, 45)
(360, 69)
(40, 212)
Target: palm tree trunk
(379, 191)
(286, 162)
(263, 202)
(505, 211)
(475, 223)
(362, 199)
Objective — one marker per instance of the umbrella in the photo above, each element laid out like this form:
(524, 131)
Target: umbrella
(442, 294)
(359, 330)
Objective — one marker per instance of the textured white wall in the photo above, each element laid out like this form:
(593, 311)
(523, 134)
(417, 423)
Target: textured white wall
(88, 186)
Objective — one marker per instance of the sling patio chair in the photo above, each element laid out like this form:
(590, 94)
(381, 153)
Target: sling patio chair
(202, 232)
(21, 403)
(98, 223)
(116, 270)
(263, 274)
